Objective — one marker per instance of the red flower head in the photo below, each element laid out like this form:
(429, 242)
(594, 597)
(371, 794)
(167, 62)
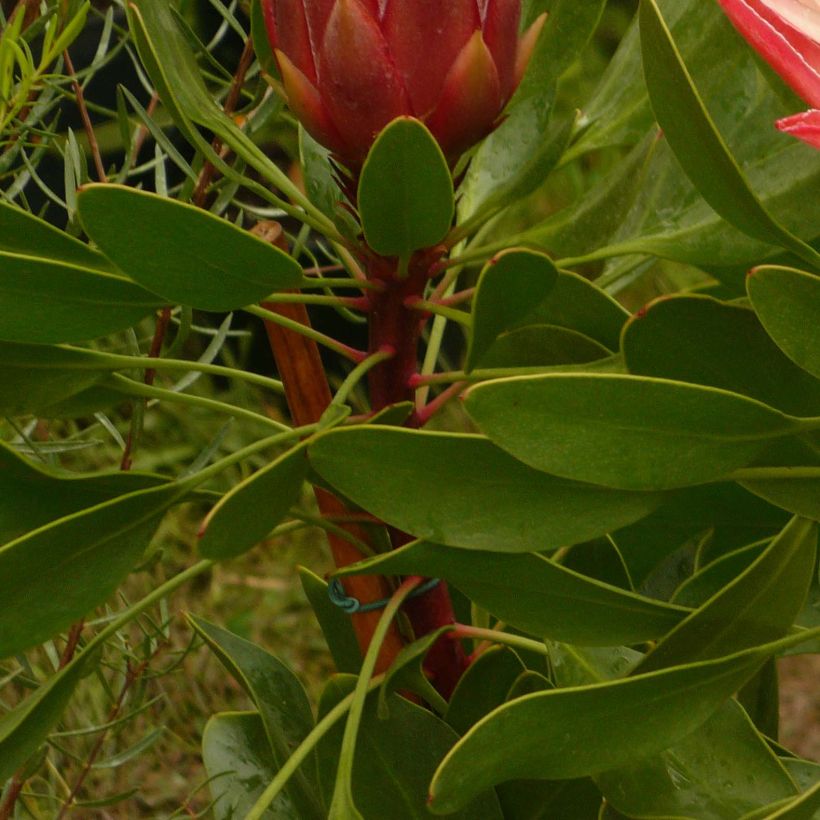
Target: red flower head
(349, 67)
(786, 33)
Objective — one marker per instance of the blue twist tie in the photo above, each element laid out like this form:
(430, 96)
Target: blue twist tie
(345, 602)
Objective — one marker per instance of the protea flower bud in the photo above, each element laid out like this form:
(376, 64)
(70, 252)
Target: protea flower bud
(786, 33)
(349, 67)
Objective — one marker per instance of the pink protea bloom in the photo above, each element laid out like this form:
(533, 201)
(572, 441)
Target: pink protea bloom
(349, 67)
(786, 33)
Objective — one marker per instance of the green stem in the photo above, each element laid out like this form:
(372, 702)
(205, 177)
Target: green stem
(133, 388)
(217, 467)
(308, 332)
(315, 282)
(119, 360)
(437, 309)
(343, 804)
(493, 635)
(303, 750)
(148, 601)
(307, 299)
(358, 373)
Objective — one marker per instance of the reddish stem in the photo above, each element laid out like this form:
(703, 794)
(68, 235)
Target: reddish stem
(394, 324)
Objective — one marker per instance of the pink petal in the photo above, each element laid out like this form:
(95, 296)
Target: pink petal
(501, 36)
(306, 103)
(799, 14)
(359, 84)
(791, 54)
(425, 38)
(470, 101)
(288, 32)
(805, 126)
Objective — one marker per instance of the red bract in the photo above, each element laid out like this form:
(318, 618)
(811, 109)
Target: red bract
(349, 67)
(786, 33)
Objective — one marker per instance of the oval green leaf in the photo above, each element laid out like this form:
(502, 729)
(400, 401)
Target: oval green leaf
(701, 340)
(462, 491)
(510, 286)
(283, 707)
(534, 594)
(47, 301)
(698, 145)
(625, 431)
(542, 346)
(24, 485)
(788, 304)
(571, 732)
(239, 765)
(405, 192)
(24, 234)
(194, 258)
(71, 565)
(245, 515)
(756, 607)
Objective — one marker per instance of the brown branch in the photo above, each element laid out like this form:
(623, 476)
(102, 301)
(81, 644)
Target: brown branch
(208, 172)
(132, 674)
(79, 94)
(308, 395)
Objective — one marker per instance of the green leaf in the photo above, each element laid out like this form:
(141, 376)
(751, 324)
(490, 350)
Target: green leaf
(510, 286)
(24, 728)
(515, 159)
(698, 588)
(24, 485)
(24, 234)
(320, 182)
(800, 496)
(395, 758)
(721, 770)
(483, 687)
(803, 807)
(462, 491)
(698, 145)
(732, 516)
(196, 258)
(261, 42)
(625, 431)
(244, 516)
(567, 31)
(544, 799)
(541, 346)
(577, 304)
(73, 564)
(576, 734)
(669, 218)
(36, 377)
(700, 340)
(407, 673)
(282, 703)
(756, 607)
(334, 622)
(600, 559)
(405, 191)
(167, 56)
(594, 217)
(239, 765)
(787, 301)
(534, 594)
(70, 303)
